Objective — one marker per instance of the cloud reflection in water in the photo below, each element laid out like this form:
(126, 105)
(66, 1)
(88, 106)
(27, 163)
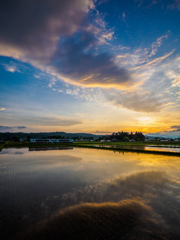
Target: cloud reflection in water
(144, 205)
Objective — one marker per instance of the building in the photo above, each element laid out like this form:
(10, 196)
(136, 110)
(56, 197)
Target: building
(51, 140)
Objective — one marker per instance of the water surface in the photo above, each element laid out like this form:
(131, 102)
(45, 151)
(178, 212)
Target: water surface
(88, 193)
(164, 148)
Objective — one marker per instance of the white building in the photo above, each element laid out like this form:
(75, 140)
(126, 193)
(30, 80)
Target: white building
(51, 140)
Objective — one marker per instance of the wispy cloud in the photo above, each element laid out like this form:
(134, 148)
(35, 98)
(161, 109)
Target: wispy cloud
(154, 2)
(11, 67)
(36, 76)
(174, 5)
(123, 16)
(156, 45)
(52, 82)
(2, 109)
(140, 102)
(176, 81)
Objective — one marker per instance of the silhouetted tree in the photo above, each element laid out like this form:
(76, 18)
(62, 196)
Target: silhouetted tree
(125, 139)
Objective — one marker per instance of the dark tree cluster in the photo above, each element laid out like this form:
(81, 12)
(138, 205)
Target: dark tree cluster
(44, 135)
(125, 136)
(54, 137)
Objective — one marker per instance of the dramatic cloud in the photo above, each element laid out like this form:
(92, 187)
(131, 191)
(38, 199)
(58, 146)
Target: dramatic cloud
(62, 40)
(46, 39)
(37, 26)
(75, 61)
(154, 81)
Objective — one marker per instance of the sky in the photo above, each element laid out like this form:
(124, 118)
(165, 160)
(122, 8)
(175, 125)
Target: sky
(94, 66)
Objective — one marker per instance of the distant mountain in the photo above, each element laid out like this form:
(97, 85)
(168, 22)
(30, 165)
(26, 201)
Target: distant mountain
(8, 135)
(157, 136)
(152, 137)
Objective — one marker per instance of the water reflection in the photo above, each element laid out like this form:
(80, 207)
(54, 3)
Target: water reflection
(120, 146)
(166, 148)
(160, 148)
(89, 194)
(129, 219)
(49, 148)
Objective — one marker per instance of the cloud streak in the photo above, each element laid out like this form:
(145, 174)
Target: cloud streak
(156, 45)
(6, 128)
(140, 102)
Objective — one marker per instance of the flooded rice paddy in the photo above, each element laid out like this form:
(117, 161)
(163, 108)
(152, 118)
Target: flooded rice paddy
(78, 193)
(160, 148)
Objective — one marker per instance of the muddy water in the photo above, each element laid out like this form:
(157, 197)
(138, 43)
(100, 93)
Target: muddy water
(88, 194)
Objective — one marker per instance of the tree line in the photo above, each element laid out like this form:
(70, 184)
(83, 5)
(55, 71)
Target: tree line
(124, 136)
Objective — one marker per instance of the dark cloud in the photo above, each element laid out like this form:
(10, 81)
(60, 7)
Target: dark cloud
(177, 127)
(78, 60)
(44, 33)
(6, 128)
(34, 26)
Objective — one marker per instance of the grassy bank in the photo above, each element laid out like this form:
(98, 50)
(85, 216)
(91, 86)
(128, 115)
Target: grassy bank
(2, 146)
(157, 143)
(33, 145)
